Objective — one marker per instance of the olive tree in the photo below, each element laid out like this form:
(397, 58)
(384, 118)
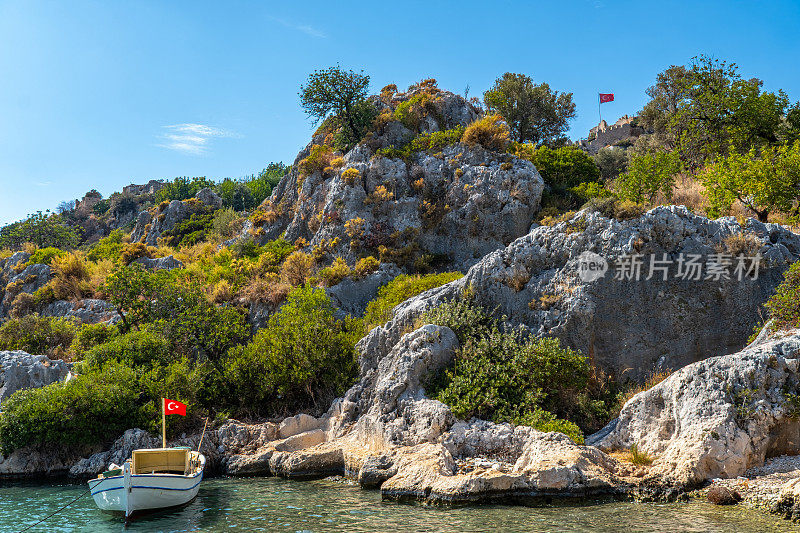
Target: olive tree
(533, 111)
(340, 95)
(763, 182)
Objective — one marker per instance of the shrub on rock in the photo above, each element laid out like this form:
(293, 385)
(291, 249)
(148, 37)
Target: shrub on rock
(490, 132)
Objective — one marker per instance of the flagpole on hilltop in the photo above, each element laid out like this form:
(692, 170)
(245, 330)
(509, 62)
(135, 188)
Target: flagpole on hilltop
(599, 114)
(163, 423)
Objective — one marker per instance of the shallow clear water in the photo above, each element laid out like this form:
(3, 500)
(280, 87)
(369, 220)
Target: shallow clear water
(273, 504)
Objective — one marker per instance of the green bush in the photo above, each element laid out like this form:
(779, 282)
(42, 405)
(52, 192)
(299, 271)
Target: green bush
(45, 255)
(182, 189)
(89, 336)
(561, 168)
(434, 142)
(38, 335)
(108, 247)
(90, 409)
(190, 231)
(505, 376)
(647, 175)
(176, 307)
(400, 289)
(784, 304)
(139, 348)
(304, 357)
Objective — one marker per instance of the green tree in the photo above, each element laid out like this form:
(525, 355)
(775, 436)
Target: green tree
(533, 111)
(708, 109)
(177, 308)
(665, 96)
(611, 161)
(340, 94)
(41, 228)
(647, 175)
(763, 182)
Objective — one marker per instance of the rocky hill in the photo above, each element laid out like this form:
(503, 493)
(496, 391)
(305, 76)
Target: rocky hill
(410, 192)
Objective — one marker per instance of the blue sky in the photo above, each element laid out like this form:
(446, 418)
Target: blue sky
(102, 94)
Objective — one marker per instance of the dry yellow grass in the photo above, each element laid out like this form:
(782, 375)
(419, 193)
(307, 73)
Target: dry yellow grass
(652, 380)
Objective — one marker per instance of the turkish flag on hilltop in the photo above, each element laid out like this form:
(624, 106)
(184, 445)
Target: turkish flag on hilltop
(606, 97)
(172, 407)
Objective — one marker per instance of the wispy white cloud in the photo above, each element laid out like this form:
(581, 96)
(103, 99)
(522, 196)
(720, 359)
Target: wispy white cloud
(191, 138)
(305, 28)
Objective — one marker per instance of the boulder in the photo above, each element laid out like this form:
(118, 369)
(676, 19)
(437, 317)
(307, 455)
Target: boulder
(120, 451)
(21, 370)
(150, 227)
(723, 496)
(718, 417)
(629, 327)
(209, 197)
(297, 424)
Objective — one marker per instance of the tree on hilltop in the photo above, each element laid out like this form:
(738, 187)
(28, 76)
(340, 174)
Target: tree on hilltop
(340, 96)
(533, 111)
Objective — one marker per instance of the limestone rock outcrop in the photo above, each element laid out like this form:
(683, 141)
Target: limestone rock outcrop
(628, 327)
(718, 417)
(87, 310)
(455, 205)
(21, 370)
(159, 263)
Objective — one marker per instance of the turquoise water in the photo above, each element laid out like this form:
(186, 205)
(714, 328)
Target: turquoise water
(273, 504)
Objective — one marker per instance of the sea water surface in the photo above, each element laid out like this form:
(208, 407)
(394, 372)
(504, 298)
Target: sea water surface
(274, 504)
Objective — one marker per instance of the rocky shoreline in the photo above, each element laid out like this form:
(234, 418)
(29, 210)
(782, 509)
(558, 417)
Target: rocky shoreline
(386, 435)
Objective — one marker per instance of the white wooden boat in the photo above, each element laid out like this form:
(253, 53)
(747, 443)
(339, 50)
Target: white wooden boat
(150, 479)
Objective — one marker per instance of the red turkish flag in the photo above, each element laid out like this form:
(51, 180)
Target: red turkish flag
(171, 407)
(606, 97)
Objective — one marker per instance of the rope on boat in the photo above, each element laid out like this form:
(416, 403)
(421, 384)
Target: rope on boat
(81, 495)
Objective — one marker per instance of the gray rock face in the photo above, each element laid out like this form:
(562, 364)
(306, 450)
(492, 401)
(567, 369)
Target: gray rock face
(459, 204)
(87, 310)
(209, 197)
(120, 451)
(159, 263)
(31, 279)
(717, 417)
(628, 327)
(149, 228)
(20, 370)
(352, 296)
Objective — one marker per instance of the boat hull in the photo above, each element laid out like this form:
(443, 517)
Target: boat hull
(129, 493)
(146, 492)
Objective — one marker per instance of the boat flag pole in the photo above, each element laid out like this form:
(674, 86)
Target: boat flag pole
(202, 434)
(163, 423)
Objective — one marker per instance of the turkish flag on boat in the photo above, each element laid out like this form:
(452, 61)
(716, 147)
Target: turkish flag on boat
(606, 97)
(171, 407)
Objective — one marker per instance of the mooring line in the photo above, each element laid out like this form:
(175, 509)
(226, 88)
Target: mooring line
(81, 495)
